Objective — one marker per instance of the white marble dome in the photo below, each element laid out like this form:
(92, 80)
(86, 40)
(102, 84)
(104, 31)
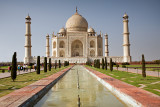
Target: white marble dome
(76, 23)
(91, 30)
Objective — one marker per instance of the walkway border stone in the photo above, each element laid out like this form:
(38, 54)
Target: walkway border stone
(31, 94)
(129, 94)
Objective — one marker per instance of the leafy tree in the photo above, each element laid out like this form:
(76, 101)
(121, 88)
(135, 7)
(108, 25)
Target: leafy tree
(38, 64)
(64, 63)
(143, 67)
(105, 63)
(117, 66)
(59, 64)
(14, 67)
(111, 64)
(102, 63)
(49, 64)
(45, 64)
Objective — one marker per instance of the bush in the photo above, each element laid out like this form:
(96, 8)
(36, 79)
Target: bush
(113, 63)
(125, 63)
(31, 64)
(123, 66)
(3, 71)
(117, 66)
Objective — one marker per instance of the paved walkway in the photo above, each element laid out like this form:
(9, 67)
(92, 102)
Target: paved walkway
(29, 95)
(139, 71)
(8, 74)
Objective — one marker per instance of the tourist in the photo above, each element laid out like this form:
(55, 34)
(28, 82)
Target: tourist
(24, 68)
(9, 68)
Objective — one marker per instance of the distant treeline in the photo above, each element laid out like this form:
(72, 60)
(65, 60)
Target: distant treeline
(9, 63)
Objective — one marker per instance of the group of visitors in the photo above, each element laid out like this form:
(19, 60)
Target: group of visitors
(23, 68)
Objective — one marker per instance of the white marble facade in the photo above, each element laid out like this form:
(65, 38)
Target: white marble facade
(77, 43)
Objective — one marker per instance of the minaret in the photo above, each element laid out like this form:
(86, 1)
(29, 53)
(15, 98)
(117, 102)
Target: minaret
(47, 46)
(28, 56)
(106, 45)
(126, 44)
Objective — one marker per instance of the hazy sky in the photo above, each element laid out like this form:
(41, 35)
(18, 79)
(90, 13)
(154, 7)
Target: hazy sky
(106, 15)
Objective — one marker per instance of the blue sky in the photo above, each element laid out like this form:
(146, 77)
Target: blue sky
(106, 15)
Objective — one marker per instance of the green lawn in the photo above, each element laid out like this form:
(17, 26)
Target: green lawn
(152, 84)
(147, 65)
(4, 67)
(7, 85)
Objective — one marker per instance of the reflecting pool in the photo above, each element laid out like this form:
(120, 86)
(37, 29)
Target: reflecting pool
(79, 82)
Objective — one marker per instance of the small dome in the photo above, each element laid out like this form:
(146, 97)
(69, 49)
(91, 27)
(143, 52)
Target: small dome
(28, 17)
(91, 30)
(62, 30)
(76, 23)
(125, 16)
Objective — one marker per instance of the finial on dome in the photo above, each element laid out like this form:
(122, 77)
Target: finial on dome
(76, 10)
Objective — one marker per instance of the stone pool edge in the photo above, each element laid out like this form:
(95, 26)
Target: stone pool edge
(31, 94)
(126, 92)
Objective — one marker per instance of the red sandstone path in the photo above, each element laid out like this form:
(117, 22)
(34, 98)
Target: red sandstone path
(27, 96)
(8, 74)
(147, 99)
(139, 71)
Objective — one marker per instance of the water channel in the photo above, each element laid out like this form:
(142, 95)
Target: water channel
(79, 83)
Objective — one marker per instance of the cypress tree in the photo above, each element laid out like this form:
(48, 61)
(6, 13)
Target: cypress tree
(45, 64)
(105, 63)
(49, 64)
(111, 64)
(38, 64)
(143, 67)
(55, 64)
(14, 67)
(94, 63)
(98, 63)
(59, 64)
(102, 63)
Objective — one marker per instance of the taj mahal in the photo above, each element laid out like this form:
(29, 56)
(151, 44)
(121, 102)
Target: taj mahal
(77, 43)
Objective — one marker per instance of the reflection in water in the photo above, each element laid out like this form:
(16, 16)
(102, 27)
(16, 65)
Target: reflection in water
(92, 93)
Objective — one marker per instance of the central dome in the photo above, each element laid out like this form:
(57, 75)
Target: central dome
(76, 23)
